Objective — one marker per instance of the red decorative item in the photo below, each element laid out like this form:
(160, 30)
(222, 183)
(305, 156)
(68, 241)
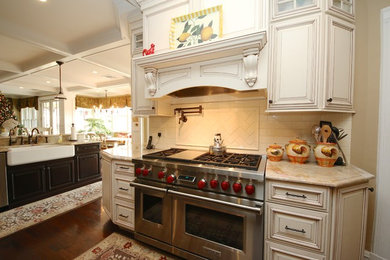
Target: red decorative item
(161, 174)
(150, 51)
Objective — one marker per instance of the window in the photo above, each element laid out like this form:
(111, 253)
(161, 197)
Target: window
(29, 117)
(50, 112)
(115, 119)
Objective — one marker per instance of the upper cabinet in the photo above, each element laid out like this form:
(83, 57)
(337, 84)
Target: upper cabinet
(311, 61)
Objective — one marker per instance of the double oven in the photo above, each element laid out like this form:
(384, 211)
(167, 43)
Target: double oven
(193, 226)
(197, 223)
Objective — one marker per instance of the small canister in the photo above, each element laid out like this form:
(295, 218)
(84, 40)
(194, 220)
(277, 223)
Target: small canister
(326, 154)
(298, 151)
(275, 152)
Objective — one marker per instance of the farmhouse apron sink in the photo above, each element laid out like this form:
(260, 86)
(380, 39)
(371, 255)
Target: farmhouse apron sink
(38, 153)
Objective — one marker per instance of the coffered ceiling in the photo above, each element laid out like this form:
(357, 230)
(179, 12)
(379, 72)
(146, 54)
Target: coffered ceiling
(91, 37)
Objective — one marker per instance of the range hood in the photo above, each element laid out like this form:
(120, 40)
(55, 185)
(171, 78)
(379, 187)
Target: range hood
(222, 66)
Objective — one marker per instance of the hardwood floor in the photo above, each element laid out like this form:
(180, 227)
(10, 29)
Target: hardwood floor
(62, 237)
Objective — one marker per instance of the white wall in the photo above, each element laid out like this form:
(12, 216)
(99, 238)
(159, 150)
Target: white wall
(382, 214)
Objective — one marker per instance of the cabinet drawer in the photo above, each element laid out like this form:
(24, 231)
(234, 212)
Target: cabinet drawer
(124, 168)
(87, 148)
(123, 190)
(124, 216)
(306, 228)
(306, 196)
(274, 251)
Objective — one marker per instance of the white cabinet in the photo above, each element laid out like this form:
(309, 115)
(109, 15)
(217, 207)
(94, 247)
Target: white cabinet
(290, 8)
(123, 194)
(294, 67)
(311, 61)
(314, 222)
(157, 17)
(339, 63)
(106, 185)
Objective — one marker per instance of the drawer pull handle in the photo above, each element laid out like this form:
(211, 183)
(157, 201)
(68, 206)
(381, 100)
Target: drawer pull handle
(295, 195)
(123, 216)
(123, 167)
(123, 189)
(295, 230)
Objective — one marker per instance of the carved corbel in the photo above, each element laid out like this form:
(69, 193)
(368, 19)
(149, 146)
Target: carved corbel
(250, 59)
(151, 80)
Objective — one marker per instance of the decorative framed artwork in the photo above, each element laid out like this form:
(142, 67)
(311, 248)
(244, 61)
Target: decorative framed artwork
(195, 28)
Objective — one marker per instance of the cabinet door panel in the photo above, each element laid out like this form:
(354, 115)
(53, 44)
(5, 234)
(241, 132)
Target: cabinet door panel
(107, 186)
(294, 63)
(340, 62)
(26, 182)
(60, 174)
(88, 166)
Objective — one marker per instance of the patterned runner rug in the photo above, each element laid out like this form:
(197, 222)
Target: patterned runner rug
(30, 214)
(116, 246)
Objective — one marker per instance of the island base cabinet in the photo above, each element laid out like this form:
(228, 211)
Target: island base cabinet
(26, 183)
(88, 162)
(60, 174)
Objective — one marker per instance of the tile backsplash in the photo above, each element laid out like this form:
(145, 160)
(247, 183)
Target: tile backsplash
(244, 126)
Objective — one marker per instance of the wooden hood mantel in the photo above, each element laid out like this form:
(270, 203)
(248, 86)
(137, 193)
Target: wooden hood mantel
(230, 63)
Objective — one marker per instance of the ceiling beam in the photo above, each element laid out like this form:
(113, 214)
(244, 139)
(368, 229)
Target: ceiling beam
(9, 67)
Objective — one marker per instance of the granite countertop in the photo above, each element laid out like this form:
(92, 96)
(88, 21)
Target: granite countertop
(311, 173)
(124, 152)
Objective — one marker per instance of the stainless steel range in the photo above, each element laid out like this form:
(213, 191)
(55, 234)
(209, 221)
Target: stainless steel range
(199, 205)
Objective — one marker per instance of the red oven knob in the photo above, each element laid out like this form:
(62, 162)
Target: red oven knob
(202, 183)
(225, 185)
(214, 184)
(250, 189)
(237, 187)
(161, 174)
(145, 172)
(171, 178)
(138, 171)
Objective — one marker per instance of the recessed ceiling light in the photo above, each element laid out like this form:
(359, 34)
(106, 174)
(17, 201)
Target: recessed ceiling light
(43, 1)
(48, 81)
(21, 87)
(94, 72)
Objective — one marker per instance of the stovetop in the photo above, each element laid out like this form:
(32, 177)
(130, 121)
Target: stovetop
(236, 160)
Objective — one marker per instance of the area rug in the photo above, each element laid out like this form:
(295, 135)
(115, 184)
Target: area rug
(118, 247)
(30, 214)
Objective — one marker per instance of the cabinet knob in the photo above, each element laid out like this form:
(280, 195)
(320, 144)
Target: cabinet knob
(371, 189)
(329, 99)
(270, 101)
(153, 108)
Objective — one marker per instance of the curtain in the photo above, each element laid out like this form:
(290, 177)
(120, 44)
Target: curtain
(26, 102)
(104, 103)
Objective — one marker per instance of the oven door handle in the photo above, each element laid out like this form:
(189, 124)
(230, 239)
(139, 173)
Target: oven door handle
(258, 210)
(139, 185)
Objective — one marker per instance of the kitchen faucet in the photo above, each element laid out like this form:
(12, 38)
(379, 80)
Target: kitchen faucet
(32, 134)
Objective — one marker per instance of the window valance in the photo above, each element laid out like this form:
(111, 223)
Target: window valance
(104, 103)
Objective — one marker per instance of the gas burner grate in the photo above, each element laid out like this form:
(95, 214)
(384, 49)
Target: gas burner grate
(245, 161)
(163, 154)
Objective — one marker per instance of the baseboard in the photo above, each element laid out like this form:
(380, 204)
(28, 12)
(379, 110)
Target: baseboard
(371, 256)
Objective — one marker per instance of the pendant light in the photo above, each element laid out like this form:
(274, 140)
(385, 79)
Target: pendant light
(60, 95)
